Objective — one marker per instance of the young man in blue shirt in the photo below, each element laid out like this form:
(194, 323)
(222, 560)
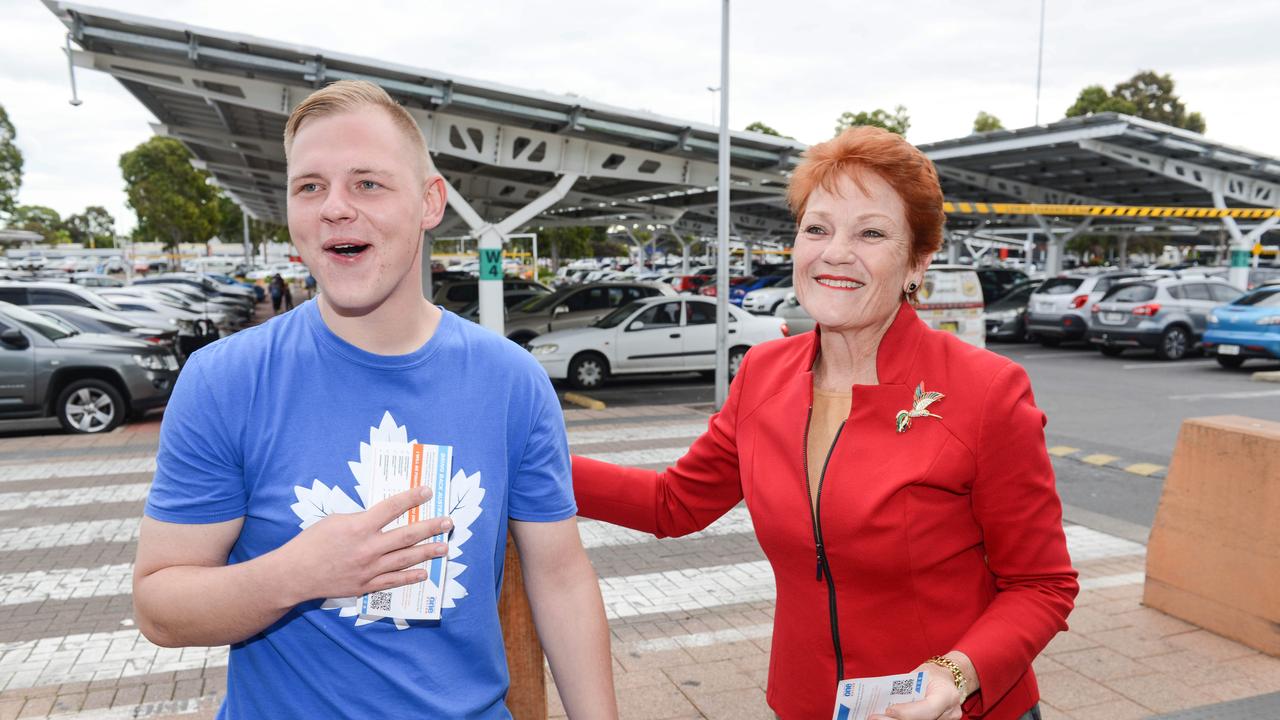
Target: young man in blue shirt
(260, 531)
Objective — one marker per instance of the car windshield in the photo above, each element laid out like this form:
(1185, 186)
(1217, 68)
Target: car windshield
(51, 328)
(1269, 297)
(1060, 286)
(1133, 292)
(615, 318)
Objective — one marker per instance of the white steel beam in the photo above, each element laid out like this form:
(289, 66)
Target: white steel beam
(1024, 192)
(1232, 185)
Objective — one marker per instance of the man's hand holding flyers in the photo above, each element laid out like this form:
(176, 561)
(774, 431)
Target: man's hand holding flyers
(350, 555)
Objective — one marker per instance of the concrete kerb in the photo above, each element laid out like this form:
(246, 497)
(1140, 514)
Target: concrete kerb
(1267, 376)
(585, 401)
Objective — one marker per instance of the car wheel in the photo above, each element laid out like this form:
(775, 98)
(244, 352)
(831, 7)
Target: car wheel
(1173, 344)
(1230, 362)
(735, 360)
(1049, 341)
(90, 406)
(1110, 350)
(588, 371)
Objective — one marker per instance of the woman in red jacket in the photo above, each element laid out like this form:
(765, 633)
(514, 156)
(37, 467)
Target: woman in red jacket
(896, 477)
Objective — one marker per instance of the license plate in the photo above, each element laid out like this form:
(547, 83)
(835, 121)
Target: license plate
(1113, 318)
(950, 326)
(1228, 349)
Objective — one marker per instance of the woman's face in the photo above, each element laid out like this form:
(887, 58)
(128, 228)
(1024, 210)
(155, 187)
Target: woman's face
(852, 254)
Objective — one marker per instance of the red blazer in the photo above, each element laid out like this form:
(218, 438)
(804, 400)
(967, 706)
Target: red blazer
(946, 536)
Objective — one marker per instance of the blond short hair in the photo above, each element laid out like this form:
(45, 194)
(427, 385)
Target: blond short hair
(350, 95)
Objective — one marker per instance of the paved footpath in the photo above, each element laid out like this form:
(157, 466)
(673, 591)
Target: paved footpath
(690, 618)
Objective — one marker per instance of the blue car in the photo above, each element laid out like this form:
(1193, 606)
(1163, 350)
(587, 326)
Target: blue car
(1248, 327)
(258, 293)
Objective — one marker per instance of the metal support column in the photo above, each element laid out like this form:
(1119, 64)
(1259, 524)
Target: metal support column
(953, 248)
(684, 250)
(248, 242)
(1241, 244)
(1122, 249)
(747, 245)
(428, 278)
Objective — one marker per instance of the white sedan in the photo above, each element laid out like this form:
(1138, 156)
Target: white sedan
(654, 335)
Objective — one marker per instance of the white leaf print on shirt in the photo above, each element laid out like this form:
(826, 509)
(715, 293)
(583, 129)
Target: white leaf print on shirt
(319, 501)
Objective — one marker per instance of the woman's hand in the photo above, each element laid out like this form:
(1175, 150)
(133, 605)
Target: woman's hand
(941, 699)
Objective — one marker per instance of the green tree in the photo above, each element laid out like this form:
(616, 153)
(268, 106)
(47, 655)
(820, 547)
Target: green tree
(897, 122)
(10, 165)
(94, 227)
(1147, 95)
(760, 127)
(173, 200)
(566, 242)
(985, 122)
(40, 219)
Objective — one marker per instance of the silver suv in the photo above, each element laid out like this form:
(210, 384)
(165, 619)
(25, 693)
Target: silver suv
(573, 307)
(1059, 308)
(90, 382)
(1167, 314)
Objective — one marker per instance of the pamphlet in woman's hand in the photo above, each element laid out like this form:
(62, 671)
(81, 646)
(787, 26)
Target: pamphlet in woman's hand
(860, 698)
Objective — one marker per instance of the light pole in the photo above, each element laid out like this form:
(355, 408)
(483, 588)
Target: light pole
(1039, 62)
(722, 219)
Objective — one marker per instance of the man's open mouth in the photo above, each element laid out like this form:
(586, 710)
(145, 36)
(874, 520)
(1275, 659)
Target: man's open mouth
(347, 249)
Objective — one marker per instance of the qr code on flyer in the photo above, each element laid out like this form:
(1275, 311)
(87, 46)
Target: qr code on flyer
(380, 601)
(903, 687)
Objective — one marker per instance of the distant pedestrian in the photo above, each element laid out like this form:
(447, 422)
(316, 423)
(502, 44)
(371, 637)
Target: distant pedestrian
(310, 284)
(288, 297)
(277, 290)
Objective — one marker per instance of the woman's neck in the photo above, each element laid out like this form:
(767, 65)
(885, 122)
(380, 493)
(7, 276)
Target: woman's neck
(848, 357)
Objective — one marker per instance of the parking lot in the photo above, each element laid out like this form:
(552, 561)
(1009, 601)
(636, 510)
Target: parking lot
(690, 618)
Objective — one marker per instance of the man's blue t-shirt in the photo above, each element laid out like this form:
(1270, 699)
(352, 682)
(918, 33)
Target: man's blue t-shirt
(273, 425)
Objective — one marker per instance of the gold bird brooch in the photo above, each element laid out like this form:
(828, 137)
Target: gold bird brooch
(919, 409)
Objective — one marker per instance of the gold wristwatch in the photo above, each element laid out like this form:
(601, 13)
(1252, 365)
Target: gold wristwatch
(961, 683)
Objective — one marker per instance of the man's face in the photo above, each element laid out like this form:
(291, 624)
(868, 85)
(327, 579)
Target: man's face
(358, 205)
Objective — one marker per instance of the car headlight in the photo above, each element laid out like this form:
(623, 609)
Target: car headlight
(1213, 319)
(547, 349)
(1269, 320)
(153, 362)
(1002, 315)
(173, 321)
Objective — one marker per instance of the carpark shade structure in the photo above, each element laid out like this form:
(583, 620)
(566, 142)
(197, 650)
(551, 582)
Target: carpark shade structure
(513, 158)
(518, 160)
(1081, 165)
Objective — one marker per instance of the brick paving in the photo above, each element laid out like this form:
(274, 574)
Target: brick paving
(690, 618)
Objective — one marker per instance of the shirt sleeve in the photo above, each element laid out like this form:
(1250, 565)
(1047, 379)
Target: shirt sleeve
(199, 469)
(1016, 502)
(686, 497)
(542, 487)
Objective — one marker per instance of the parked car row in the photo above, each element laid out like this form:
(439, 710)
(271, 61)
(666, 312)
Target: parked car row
(1173, 313)
(93, 351)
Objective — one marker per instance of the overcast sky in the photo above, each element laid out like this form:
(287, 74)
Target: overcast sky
(796, 65)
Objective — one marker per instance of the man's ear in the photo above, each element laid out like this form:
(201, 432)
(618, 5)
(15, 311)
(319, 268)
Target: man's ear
(434, 201)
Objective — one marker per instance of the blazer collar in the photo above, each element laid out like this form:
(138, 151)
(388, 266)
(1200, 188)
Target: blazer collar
(896, 355)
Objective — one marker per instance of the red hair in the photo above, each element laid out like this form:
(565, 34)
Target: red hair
(907, 170)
